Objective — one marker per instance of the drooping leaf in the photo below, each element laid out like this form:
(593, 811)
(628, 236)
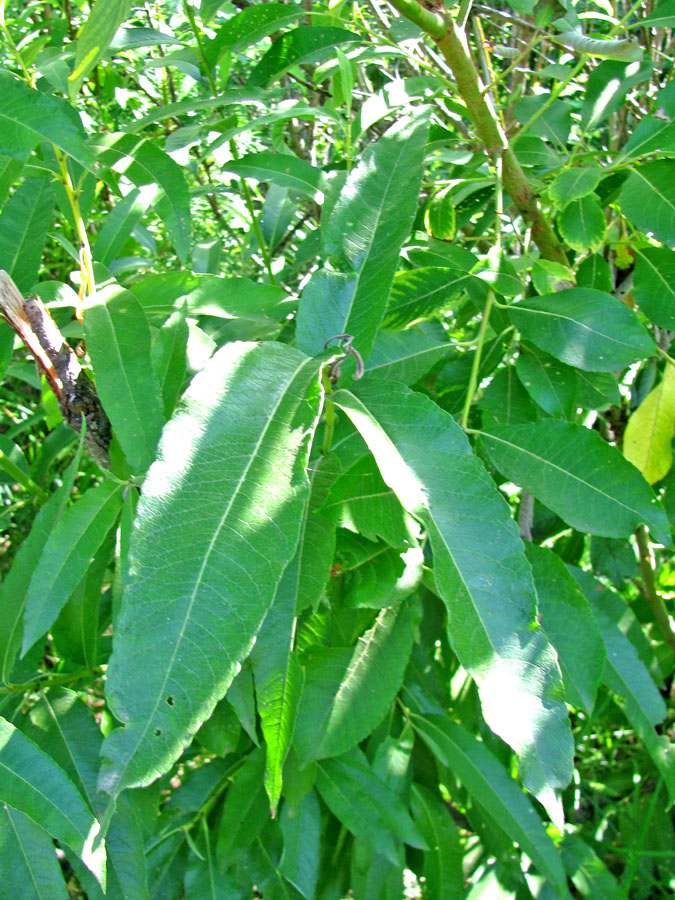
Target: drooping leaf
(650, 429)
(584, 328)
(364, 804)
(480, 571)
(233, 455)
(578, 475)
(349, 690)
(28, 858)
(443, 860)
(654, 284)
(608, 85)
(362, 238)
(570, 626)
(145, 164)
(15, 586)
(246, 809)
(31, 782)
(303, 44)
(589, 874)
(28, 117)
(278, 679)
(95, 37)
(648, 199)
(118, 341)
(24, 222)
(66, 557)
(489, 784)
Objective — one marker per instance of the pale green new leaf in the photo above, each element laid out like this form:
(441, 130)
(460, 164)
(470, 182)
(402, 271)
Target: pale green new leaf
(480, 572)
(217, 523)
(118, 341)
(362, 238)
(577, 475)
(489, 784)
(67, 555)
(24, 222)
(96, 35)
(349, 690)
(31, 782)
(28, 859)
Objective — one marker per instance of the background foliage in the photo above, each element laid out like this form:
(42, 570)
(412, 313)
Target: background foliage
(313, 636)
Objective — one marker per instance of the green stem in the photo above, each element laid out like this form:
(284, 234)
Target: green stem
(49, 681)
(651, 595)
(475, 368)
(16, 53)
(190, 13)
(329, 426)
(86, 259)
(646, 822)
(434, 24)
(254, 220)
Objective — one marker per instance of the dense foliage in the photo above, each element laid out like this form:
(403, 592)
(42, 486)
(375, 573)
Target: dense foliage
(301, 630)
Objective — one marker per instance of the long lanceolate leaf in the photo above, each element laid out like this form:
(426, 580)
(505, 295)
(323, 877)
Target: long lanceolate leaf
(480, 572)
(216, 526)
(362, 239)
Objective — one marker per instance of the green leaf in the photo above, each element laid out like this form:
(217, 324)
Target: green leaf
(506, 402)
(28, 858)
(582, 224)
(654, 284)
(480, 572)
(647, 198)
(233, 455)
(374, 575)
(589, 874)
(655, 133)
(24, 222)
(597, 390)
(439, 218)
(28, 117)
(118, 341)
(145, 164)
(423, 293)
(571, 184)
(208, 295)
(362, 237)
(67, 555)
(405, 356)
(245, 811)
(304, 44)
(31, 782)
(570, 626)
(579, 476)
(349, 690)
(594, 272)
(360, 500)
(650, 429)
(278, 679)
(607, 87)
(10, 170)
(489, 784)
(661, 17)
(613, 558)
(443, 860)
(301, 827)
(15, 586)
(550, 383)
(121, 220)
(95, 37)
(283, 169)
(364, 804)
(169, 361)
(584, 328)
(249, 26)
(626, 675)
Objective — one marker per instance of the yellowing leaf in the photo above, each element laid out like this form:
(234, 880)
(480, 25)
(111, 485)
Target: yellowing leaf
(650, 429)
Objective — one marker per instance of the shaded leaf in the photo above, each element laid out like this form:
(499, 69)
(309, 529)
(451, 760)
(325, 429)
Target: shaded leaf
(648, 199)
(283, 169)
(303, 44)
(24, 222)
(654, 284)
(443, 860)
(28, 858)
(422, 293)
